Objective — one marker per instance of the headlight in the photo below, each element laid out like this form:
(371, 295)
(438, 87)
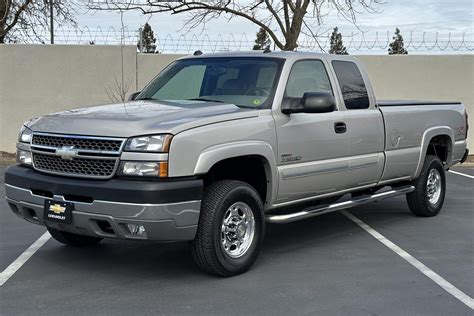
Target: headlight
(26, 134)
(144, 168)
(24, 157)
(153, 143)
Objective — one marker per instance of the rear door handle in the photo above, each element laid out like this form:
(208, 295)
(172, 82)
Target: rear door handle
(340, 127)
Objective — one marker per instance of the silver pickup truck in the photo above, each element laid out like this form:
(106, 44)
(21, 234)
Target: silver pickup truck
(218, 145)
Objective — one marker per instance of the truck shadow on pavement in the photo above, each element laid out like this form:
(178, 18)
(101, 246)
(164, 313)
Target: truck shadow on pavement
(288, 243)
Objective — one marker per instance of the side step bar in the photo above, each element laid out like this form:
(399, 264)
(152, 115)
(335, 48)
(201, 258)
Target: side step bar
(310, 212)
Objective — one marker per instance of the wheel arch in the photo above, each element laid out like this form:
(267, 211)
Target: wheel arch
(238, 152)
(436, 136)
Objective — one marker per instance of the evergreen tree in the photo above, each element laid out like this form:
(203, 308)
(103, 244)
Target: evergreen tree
(262, 41)
(396, 47)
(337, 47)
(148, 40)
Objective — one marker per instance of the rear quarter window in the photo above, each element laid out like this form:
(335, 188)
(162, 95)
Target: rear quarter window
(354, 91)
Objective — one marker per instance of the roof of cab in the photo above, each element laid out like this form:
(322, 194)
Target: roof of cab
(276, 54)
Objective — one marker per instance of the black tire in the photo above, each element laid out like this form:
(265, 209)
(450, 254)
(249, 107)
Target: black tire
(71, 239)
(208, 251)
(418, 200)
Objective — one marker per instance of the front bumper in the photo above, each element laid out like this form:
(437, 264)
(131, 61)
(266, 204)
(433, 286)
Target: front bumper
(168, 210)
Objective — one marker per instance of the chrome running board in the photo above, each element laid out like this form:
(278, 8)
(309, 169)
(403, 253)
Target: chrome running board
(310, 212)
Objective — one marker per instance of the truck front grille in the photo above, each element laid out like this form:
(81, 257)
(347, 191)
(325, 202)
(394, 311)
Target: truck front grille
(75, 167)
(91, 157)
(96, 144)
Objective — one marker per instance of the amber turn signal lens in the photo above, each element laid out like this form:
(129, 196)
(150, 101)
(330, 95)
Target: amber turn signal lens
(163, 170)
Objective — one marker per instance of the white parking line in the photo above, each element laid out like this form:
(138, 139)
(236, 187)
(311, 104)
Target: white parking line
(20, 261)
(461, 174)
(448, 287)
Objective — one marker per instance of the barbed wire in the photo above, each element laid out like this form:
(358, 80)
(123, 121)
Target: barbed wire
(185, 43)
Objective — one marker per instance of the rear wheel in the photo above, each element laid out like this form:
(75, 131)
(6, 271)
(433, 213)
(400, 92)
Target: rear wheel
(71, 239)
(231, 228)
(430, 189)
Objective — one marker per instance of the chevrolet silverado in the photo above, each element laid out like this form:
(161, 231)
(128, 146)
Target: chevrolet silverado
(218, 145)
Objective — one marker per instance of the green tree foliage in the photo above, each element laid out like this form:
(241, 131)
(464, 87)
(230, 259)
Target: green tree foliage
(396, 47)
(262, 41)
(337, 47)
(148, 40)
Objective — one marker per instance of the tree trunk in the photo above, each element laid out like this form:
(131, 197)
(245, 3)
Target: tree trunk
(294, 31)
(291, 42)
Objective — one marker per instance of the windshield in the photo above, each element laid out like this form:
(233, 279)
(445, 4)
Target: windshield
(243, 81)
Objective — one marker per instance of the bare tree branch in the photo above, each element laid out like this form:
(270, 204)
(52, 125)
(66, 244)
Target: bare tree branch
(283, 20)
(22, 19)
(117, 91)
(277, 17)
(16, 16)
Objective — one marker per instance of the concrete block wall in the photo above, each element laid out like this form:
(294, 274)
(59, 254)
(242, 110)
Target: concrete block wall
(40, 79)
(425, 77)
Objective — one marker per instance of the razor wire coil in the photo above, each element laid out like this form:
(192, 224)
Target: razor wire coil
(185, 43)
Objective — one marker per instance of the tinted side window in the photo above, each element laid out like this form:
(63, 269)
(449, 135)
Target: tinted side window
(352, 85)
(307, 76)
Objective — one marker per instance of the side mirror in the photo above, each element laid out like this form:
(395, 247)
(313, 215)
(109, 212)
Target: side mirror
(311, 102)
(133, 96)
(318, 102)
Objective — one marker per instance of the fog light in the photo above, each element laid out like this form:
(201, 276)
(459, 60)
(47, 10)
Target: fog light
(24, 157)
(136, 230)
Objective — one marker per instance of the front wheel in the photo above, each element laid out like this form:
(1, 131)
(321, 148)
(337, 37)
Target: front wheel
(430, 189)
(231, 228)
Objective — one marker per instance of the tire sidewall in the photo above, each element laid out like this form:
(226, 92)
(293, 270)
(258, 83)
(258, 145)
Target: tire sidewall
(251, 198)
(434, 164)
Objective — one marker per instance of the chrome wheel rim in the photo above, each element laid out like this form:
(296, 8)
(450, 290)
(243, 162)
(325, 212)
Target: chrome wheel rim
(433, 186)
(237, 230)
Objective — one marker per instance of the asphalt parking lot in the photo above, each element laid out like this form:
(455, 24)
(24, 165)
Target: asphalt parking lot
(325, 265)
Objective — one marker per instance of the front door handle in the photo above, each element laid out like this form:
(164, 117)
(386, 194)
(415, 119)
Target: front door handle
(340, 127)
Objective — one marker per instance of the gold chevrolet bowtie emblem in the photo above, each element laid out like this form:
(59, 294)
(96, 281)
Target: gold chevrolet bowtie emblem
(57, 209)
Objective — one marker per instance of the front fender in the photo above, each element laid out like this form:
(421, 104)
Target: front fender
(215, 154)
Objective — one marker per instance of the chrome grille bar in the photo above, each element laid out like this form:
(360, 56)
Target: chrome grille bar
(94, 157)
(82, 143)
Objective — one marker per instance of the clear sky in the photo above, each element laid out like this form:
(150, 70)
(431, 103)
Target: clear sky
(419, 16)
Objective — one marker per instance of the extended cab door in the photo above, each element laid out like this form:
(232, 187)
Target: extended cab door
(312, 151)
(365, 129)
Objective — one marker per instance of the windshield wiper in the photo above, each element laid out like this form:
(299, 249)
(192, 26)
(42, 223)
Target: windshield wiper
(246, 106)
(204, 99)
(146, 99)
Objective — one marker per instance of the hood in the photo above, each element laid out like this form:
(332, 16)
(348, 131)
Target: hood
(139, 118)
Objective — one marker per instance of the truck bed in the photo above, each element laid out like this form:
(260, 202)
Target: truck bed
(410, 124)
(413, 102)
